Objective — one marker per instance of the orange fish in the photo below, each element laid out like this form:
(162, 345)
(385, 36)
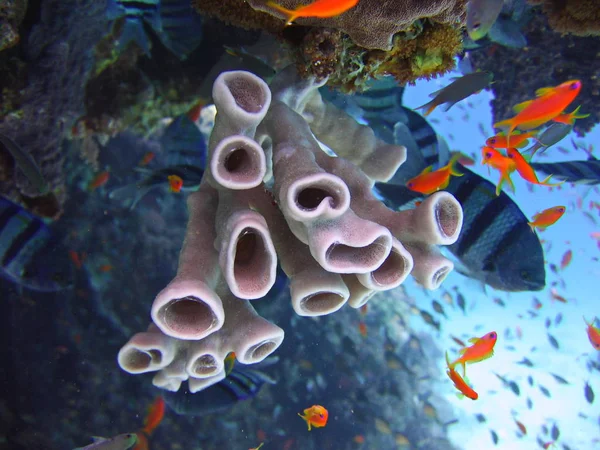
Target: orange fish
(153, 419)
(556, 296)
(104, 268)
(315, 416)
(320, 8)
(593, 333)
(428, 182)
(194, 113)
(566, 259)
(229, 363)
(77, 258)
(482, 349)
(521, 427)
(359, 439)
(175, 183)
(547, 445)
(550, 103)
(362, 328)
(99, 180)
(547, 217)
(459, 382)
(149, 156)
(504, 165)
(518, 140)
(569, 118)
(525, 170)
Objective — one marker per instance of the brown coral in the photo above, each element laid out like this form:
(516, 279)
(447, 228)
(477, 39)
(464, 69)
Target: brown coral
(239, 14)
(373, 23)
(578, 17)
(424, 51)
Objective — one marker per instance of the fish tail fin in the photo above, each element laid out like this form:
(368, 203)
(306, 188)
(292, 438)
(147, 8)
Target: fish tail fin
(133, 31)
(306, 420)
(464, 366)
(290, 13)
(142, 440)
(428, 107)
(545, 181)
(532, 226)
(452, 165)
(574, 115)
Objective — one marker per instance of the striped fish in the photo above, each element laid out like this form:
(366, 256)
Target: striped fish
(243, 383)
(177, 25)
(580, 172)
(496, 245)
(28, 256)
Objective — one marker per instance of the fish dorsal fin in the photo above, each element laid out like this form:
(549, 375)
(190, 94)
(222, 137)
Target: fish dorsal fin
(521, 106)
(461, 351)
(426, 170)
(474, 340)
(544, 91)
(98, 439)
(592, 158)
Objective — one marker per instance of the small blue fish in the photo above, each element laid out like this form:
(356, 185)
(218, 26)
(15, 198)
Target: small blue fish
(29, 253)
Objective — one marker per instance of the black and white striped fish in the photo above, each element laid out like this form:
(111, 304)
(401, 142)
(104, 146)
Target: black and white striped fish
(496, 245)
(175, 22)
(29, 255)
(580, 172)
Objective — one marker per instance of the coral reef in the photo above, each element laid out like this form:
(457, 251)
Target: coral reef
(57, 60)
(426, 50)
(578, 17)
(372, 24)
(517, 72)
(316, 216)
(12, 13)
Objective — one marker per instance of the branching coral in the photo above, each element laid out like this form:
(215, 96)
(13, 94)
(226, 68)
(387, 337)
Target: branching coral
(318, 218)
(578, 17)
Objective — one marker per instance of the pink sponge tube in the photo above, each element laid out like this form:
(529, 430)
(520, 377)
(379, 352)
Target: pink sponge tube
(314, 291)
(238, 162)
(188, 308)
(247, 256)
(148, 351)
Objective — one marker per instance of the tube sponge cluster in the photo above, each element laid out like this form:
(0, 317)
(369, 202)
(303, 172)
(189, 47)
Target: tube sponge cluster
(271, 195)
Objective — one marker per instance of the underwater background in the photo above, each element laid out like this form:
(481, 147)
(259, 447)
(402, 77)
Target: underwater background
(106, 115)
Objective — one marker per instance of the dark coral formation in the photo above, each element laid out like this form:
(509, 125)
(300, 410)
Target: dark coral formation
(54, 59)
(12, 13)
(549, 59)
(578, 17)
(372, 24)
(425, 50)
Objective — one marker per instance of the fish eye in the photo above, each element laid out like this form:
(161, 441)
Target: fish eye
(493, 335)
(488, 155)
(561, 209)
(476, 26)
(493, 140)
(321, 416)
(575, 85)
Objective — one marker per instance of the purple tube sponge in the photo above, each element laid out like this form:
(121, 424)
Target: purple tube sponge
(272, 193)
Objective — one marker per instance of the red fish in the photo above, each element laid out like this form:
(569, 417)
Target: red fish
(315, 416)
(319, 8)
(77, 258)
(566, 259)
(428, 182)
(155, 415)
(593, 333)
(550, 103)
(99, 180)
(504, 165)
(149, 156)
(194, 113)
(175, 183)
(521, 427)
(362, 328)
(464, 160)
(482, 349)
(525, 170)
(547, 217)
(459, 382)
(518, 140)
